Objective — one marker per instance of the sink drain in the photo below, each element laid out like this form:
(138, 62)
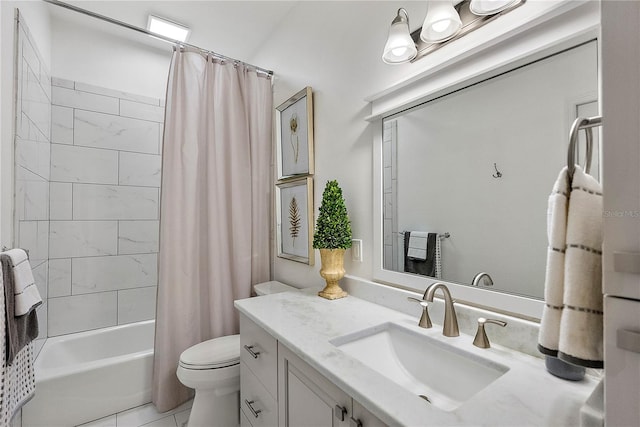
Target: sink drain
(425, 397)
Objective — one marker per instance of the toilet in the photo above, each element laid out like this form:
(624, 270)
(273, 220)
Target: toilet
(212, 369)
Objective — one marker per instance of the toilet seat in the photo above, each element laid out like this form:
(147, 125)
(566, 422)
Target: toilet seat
(216, 353)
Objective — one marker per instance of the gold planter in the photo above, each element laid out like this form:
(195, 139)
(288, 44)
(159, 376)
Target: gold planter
(332, 271)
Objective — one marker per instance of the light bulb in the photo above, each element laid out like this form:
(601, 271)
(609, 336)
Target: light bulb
(440, 26)
(399, 51)
(441, 23)
(400, 46)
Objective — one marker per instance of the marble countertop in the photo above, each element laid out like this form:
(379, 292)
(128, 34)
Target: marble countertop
(526, 395)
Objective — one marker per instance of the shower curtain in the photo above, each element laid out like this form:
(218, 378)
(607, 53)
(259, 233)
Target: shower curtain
(214, 208)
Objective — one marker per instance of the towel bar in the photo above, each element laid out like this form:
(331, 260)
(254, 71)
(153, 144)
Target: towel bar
(586, 124)
(440, 236)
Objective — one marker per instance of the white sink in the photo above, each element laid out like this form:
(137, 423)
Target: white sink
(443, 375)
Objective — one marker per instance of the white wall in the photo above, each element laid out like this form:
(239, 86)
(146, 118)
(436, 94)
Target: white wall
(85, 53)
(334, 47)
(37, 18)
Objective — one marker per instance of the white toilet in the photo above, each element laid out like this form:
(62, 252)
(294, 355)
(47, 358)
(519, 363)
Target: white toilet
(212, 369)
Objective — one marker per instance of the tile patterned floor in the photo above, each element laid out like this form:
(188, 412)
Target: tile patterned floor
(146, 416)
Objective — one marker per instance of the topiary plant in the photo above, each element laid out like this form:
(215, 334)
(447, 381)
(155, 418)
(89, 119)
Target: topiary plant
(333, 228)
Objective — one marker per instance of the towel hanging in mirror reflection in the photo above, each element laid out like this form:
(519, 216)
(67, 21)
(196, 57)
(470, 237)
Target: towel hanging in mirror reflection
(498, 174)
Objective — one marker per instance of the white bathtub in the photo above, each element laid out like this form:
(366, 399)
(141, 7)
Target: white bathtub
(88, 375)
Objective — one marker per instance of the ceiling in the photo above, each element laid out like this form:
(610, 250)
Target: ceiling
(233, 28)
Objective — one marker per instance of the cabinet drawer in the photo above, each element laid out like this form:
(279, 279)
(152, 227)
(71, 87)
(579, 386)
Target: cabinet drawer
(622, 359)
(259, 351)
(244, 421)
(258, 406)
(366, 418)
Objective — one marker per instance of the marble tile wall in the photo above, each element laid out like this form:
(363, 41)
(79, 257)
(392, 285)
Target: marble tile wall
(104, 206)
(32, 163)
(392, 255)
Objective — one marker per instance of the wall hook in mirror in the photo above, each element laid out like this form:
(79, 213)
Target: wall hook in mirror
(498, 174)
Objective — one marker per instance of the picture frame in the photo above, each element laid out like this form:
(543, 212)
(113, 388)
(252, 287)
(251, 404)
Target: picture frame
(294, 220)
(294, 139)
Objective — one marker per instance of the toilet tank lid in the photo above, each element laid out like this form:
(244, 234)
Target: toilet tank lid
(217, 352)
(272, 287)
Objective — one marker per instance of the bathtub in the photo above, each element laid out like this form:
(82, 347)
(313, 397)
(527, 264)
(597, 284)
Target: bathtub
(88, 375)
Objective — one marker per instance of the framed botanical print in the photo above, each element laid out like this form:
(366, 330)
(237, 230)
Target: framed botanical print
(294, 216)
(294, 127)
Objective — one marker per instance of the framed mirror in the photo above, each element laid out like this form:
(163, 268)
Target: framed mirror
(465, 178)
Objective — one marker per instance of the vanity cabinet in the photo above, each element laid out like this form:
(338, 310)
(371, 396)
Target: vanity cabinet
(280, 389)
(258, 375)
(307, 398)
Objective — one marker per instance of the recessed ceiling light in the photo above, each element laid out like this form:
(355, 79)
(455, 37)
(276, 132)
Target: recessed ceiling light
(167, 28)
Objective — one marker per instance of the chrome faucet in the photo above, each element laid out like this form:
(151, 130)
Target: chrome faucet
(488, 281)
(450, 324)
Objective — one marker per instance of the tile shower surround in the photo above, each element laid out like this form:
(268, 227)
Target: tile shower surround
(103, 208)
(32, 166)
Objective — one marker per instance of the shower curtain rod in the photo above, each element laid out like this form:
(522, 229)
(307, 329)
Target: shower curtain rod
(149, 33)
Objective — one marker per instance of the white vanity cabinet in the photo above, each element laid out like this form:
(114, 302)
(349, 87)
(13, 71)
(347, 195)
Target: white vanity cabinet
(305, 398)
(277, 388)
(621, 203)
(258, 375)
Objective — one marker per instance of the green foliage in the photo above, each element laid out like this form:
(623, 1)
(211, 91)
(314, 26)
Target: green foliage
(294, 220)
(333, 228)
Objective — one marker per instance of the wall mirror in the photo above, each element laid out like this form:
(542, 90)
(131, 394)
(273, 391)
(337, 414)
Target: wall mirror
(478, 165)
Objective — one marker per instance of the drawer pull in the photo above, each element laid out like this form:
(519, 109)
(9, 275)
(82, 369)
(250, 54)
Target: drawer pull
(249, 348)
(249, 404)
(628, 340)
(355, 423)
(340, 412)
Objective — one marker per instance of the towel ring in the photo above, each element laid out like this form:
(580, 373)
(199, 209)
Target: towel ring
(572, 154)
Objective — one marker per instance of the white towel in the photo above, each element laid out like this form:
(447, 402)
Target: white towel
(438, 258)
(581, 337)
(571, 326)
(25, 290)
(549, 336)
(18, 379)
(418, 245)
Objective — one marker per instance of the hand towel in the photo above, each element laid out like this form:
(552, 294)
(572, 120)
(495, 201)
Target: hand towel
(18, 379)
(549, 335)
(25, 290)
(571, 326)
(425, 267)
(438, 260)
(417, 245)
(20, 330)
(581, 336)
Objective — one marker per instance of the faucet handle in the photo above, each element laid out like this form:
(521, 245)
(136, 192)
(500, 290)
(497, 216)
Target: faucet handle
(481, 340)
(425, 320)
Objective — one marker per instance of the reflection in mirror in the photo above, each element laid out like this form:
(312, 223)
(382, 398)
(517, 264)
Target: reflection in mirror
(467, 175)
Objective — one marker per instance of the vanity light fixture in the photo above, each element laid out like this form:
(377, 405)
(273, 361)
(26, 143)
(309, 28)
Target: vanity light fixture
(167, 28)
(489, 7)
(400, 46)
(441, 23)
(446, 21)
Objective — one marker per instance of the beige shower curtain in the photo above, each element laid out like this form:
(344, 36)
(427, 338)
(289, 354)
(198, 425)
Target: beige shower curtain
(214, 210)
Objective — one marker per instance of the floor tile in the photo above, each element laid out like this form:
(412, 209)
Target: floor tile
(169, 421)
(145, 414)
(139, 416)
(109, 421)
(183, 417)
